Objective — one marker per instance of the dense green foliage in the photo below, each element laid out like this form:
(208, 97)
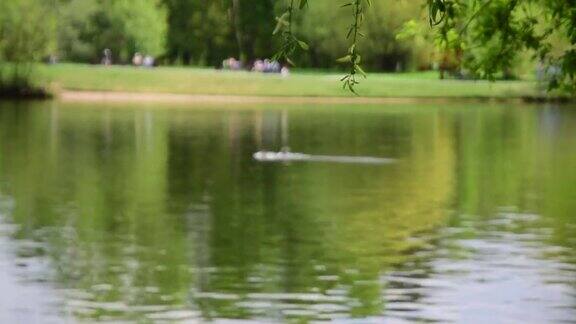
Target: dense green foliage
(206, 32)
(196, 33)
(490, 35)
(26, 35)
(467, 38)
(87, 27)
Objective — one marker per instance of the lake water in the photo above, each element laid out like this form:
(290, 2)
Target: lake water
(121, 213)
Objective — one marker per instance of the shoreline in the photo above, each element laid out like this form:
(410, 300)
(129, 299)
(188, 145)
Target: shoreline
(157, 97)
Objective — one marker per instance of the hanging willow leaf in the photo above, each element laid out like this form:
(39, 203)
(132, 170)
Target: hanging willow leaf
(353, 59)
(289, 41)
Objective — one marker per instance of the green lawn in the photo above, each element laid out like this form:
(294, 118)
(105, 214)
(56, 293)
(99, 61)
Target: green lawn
(209, 81)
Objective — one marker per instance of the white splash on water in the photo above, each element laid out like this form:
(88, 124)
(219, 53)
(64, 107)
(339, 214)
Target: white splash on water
(283, 156)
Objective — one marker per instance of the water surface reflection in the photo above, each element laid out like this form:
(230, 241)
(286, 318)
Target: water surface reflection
(130, 213)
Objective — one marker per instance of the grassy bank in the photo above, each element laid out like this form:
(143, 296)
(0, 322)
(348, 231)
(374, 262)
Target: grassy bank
(180, 80)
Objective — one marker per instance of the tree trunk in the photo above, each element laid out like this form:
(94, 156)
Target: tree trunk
(237, 24)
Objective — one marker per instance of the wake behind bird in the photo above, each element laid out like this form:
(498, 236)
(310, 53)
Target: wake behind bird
(268, 156)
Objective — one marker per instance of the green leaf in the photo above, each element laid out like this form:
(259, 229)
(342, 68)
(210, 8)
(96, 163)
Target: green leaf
(345, 59)
(359, 69)
(303, 45)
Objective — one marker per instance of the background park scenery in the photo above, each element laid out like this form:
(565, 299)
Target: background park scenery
(287, 161)
(531, 42)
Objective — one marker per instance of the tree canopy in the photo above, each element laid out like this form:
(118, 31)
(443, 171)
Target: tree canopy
(86, 27)
(484, 37)
(466, 38)
(492, 33)
(26, 36)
